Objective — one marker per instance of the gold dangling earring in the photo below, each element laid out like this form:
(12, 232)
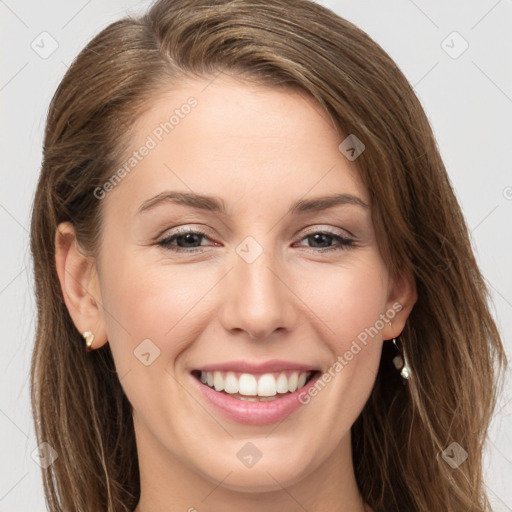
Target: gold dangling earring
(89, 338)
(401, 363)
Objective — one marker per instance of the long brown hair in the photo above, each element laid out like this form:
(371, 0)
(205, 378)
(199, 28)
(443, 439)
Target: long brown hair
(451, 340)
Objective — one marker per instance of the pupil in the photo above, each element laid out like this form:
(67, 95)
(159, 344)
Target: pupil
(320, 236)
(189, 238)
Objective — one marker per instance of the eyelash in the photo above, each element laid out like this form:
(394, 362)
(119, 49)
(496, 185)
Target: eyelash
(344, 243)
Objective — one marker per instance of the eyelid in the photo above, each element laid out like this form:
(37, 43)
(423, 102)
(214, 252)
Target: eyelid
(343, 242)
(183, 230)
(315, 228)
(191, 228)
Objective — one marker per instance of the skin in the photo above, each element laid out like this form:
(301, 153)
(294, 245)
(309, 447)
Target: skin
(259, 149)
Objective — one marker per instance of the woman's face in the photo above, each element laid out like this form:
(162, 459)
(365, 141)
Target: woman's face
(271, 286)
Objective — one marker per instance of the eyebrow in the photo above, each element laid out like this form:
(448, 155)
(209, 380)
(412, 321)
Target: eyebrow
(217, 205)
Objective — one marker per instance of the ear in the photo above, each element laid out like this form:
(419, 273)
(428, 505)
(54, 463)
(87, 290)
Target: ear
(79, 283)
(402, 296)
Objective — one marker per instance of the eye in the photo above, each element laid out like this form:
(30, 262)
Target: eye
(189, 241)
(325, 238)
(185, 241)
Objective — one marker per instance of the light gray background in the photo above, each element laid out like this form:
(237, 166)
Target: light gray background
(468, 100)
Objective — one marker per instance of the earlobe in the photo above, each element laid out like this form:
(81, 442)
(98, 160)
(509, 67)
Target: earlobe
(79, 284)
(401, 299)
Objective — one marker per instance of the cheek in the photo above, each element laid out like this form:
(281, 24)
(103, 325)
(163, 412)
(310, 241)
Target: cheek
(163, 301)
(158, 302)
(350, 308)
(150, 322)
(173, 305)
(132, 301)
(347, 299)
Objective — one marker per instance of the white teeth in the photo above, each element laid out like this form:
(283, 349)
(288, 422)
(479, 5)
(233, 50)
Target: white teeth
(218, 381)
(230, 383)
(301, 381)
(247, 384)
(267, 385)
(252, 386)
(282, 384)
(293, 381)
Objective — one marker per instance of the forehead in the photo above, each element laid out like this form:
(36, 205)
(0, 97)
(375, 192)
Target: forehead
(236, 140)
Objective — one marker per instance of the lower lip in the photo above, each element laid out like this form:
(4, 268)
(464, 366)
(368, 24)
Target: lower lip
(254, 413)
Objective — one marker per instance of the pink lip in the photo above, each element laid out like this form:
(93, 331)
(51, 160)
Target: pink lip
(254, 413)
(273, 365)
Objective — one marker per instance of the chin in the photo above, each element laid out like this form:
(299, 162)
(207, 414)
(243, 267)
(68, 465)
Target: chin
(261, 478)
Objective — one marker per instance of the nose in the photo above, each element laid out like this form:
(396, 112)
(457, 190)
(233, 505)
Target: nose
(258, 300)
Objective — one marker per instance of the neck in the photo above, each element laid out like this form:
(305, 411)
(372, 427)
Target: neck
(168, 485)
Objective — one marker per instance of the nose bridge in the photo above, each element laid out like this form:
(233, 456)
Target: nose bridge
(258, 301)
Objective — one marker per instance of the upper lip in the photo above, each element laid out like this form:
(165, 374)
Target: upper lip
(244, 366)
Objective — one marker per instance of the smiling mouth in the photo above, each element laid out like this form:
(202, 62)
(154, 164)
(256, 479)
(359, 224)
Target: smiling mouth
(251, 387)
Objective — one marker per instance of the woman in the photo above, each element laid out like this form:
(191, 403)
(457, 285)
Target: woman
(255, 286)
